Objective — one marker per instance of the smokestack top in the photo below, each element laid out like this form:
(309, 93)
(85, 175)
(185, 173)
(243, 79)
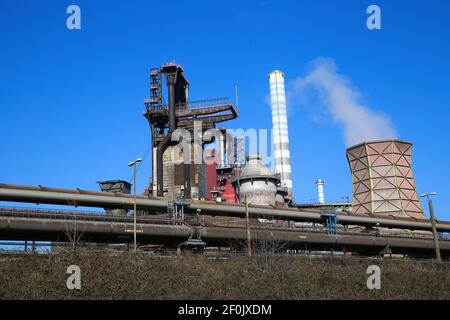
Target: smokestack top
(276, 71)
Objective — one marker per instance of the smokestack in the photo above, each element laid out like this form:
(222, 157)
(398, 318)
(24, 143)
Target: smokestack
(280, 129)
(222, 148)
(320, 194)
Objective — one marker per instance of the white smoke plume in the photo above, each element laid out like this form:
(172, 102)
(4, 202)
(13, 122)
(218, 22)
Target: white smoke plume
(343, 103)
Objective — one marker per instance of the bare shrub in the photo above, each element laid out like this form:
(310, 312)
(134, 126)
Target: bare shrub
(266, 251)
(73, 233)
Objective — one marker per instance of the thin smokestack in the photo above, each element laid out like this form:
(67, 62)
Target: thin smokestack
(280, 129)
(320, 193)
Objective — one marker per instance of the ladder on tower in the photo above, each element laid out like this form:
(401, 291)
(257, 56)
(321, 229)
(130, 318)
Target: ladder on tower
(155, 102)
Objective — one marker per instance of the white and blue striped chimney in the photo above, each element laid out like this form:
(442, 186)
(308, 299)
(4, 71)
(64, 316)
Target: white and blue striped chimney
(281, 148)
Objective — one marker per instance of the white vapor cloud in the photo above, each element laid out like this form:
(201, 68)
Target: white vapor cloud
(343, 103)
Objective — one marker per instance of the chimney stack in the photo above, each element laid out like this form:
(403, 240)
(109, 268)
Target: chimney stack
(280, 129)
(320, 194)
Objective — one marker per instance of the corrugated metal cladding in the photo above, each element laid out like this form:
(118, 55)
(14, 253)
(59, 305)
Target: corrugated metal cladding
(280, 129)
(383, 181)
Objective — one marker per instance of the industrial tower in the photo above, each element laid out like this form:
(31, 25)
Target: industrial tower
(281, 148)
(186, 179)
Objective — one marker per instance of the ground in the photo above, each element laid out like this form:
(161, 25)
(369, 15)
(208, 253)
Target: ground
(123, 275)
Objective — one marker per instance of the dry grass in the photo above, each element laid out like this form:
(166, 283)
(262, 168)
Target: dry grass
(125, 276)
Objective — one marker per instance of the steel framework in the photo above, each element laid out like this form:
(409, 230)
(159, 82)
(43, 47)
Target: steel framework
(181, 113)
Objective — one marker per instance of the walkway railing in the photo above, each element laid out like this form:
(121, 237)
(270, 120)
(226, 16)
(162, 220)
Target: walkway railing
(56, 214)
(191, 105)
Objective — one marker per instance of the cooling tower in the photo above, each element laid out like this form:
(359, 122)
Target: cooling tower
(280, 129)
(383, 182)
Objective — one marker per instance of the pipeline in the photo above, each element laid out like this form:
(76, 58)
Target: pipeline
(67, 197)
(159, 162)
(42, 229)
(156, 205)
(314, 215)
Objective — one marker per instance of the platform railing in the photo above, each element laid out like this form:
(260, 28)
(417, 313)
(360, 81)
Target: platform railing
(56, 214)
(191, 105)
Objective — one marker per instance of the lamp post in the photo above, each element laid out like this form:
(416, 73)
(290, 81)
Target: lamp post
(249, 239)
(133, 164)
(433, 224)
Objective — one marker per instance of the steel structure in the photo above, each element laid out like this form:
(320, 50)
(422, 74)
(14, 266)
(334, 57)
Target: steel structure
(168, 178)
(155, 205)
(280, 129)
(47, 226)
(383, 182)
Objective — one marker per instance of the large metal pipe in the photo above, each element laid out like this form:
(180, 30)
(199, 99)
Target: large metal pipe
(312, 215)
(164, 144)
(160, 163)
(77, 198)
(103, 231)
(171, 80)
(158, 205)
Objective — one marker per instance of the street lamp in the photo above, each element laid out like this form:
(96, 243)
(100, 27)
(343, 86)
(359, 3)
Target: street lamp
(133, 164)
(433, 224)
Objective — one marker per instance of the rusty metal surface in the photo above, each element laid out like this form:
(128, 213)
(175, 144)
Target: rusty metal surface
(178, 113)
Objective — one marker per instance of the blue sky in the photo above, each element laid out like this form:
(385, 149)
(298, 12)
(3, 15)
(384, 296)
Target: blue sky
(71, 101)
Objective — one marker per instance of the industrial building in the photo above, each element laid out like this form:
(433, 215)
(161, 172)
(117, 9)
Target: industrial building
(221, 202)
(171, 179)
(256, 184)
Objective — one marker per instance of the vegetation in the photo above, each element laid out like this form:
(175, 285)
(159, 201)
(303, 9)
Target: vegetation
(123, 275)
